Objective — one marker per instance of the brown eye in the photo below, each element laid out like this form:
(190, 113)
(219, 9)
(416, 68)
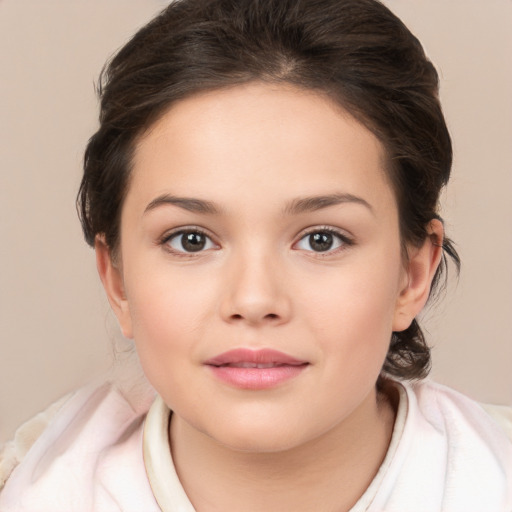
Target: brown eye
(322, 241)
(189, 241)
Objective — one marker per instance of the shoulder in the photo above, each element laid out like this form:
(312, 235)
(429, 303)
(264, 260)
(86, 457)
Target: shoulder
(465, 454)
(13, 452)
(502, 415)
(459, 453)
(447, 408)
(77, 440)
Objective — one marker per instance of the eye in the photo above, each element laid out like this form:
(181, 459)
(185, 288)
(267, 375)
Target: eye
(322, 240)
(189, 241)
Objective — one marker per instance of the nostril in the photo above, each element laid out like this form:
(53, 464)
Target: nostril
(269, 316)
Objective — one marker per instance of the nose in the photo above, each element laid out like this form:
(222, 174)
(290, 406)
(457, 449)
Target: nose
(255, 291)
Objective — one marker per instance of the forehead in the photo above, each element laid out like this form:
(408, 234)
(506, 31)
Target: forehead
(258, 137)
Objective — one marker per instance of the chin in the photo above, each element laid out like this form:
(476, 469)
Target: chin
(267, 442)
(252, 436)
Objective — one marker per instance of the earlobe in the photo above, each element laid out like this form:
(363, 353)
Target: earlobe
(419, 272)
(112, 278)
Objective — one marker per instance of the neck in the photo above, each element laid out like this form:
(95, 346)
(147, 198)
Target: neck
(329, 473)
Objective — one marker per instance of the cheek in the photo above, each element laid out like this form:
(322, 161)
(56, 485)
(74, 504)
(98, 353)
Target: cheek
(364, 292)
(352, 310)
(169, 314)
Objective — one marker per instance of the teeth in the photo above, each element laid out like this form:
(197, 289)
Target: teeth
(253, 365)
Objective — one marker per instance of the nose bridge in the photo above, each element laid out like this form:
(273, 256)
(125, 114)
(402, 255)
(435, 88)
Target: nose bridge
(255, 288)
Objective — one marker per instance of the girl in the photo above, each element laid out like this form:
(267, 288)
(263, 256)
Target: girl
(262, 197)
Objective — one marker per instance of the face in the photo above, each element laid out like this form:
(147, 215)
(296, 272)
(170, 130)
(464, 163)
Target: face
(260, 269)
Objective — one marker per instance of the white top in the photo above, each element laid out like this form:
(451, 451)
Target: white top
(101, 453)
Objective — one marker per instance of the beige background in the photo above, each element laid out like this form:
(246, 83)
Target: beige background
(55, 326)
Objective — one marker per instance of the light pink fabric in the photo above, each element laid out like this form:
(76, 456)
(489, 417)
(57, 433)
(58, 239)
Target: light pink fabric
(89, 459)
(452, 457)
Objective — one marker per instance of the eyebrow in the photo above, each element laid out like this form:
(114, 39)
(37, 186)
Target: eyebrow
(187, 203)
(310, 204)
(295, 207)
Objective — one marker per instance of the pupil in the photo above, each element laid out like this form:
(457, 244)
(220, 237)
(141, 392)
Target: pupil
(320, 241)
(193, 242)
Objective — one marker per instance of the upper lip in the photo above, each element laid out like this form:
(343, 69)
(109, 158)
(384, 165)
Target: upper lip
(251, 357)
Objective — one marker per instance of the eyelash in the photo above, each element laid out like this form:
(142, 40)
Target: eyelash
(182, 231)
(344, 240)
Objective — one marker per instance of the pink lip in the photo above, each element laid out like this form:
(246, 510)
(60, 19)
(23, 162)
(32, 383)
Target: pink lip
(255, 369)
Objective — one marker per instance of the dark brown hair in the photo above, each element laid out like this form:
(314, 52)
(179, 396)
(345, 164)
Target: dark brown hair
(355, 51)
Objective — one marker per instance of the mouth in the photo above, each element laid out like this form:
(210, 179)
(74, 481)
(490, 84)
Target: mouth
(248, 364)
(255, 369)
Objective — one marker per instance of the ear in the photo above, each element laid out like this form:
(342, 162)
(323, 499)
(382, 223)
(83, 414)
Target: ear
(418, 274)
(111, 276)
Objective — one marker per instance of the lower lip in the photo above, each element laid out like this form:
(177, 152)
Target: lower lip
(257, 378)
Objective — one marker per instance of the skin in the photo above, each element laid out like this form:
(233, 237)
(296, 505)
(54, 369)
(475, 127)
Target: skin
(253, 152)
